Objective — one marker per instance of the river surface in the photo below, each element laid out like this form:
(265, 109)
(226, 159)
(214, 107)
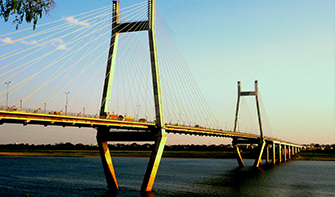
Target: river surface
(70, 176)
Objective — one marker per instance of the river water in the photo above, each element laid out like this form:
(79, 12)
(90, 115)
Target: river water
(70, 176)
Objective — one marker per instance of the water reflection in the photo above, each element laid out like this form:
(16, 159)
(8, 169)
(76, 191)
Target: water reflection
(127, 193)
(239, 182)
(177, 177)
(245, 181)
(147, 194)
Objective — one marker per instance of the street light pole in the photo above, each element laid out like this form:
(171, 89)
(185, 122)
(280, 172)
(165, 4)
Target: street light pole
(7, 83)
(138, 112)
(67, 94)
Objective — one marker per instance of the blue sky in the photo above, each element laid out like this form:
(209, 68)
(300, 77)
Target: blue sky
(288, 46)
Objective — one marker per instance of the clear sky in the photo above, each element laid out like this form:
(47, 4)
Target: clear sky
(288, 46)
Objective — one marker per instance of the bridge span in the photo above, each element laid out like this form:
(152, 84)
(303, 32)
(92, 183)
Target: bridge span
(124, 130)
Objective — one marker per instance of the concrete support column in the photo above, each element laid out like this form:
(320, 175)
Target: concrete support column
(273, 153)
(289, 152)
(238, 155)
(279, 153)
(285, 152)
(107, 161)
(267, 153)
(292, 150)
(154, 161)
(259, 158)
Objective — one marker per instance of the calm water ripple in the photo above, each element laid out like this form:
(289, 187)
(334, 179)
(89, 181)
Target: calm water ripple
(66, 176)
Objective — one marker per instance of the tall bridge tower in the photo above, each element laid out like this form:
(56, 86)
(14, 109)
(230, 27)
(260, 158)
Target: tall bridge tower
(157, 134)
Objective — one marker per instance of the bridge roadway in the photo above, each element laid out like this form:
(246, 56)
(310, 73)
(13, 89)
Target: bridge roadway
(124, 130)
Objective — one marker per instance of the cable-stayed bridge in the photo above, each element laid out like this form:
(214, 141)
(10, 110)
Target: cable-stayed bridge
(141, 129)
(146, 89)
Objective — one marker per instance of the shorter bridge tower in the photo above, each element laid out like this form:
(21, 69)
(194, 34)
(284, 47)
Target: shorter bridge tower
(261, 142)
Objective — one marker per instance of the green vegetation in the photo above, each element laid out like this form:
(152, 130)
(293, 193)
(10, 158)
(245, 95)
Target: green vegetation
(199, 154)
(318, 155)
(28, 10)
(122, 150)
(321, 153)
(49, 153)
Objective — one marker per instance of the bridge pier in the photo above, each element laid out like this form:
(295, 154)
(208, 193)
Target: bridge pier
(293, 150)
(267, 153)
(273, 153)
(238, 155)
(279, 153)
(157, 135)
(289, 152)
(261, 146)
(154, 162)
(285, 152)
(106, 160)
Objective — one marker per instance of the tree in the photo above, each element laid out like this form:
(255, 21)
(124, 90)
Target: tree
(28, 10)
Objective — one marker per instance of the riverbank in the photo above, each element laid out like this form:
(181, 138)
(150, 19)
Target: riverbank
(116, 153)
(304, 155)
(315, 156)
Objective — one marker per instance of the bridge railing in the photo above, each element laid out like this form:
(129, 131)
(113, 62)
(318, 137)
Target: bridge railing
(80, 114)
(44, 111)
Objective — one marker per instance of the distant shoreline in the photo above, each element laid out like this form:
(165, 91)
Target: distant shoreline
(304, 155)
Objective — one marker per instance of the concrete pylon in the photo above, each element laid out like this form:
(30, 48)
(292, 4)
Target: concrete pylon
(262, 143)
(158, 132)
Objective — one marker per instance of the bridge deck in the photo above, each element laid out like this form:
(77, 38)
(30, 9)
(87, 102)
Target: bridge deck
(25, 118)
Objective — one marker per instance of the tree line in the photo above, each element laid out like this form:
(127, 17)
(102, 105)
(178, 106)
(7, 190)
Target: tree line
(118, 146)
(147, 146)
